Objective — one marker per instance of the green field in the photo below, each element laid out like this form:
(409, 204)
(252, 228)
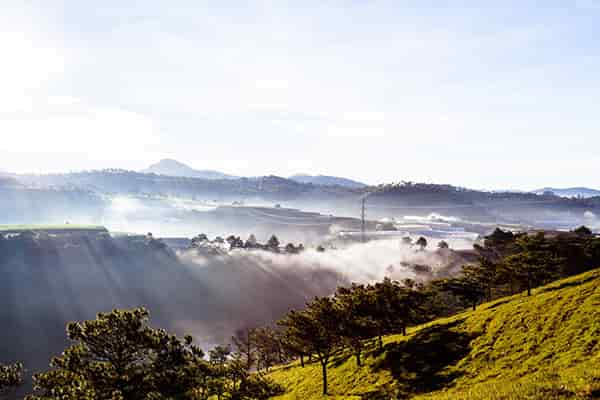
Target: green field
(546, 346)
(50, 228)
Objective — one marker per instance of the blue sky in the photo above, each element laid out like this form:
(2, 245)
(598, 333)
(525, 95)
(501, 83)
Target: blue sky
(480, 94)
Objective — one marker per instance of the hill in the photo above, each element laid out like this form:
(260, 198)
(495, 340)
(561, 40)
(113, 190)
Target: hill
(570, 192)
(326, 180)
(63, 229)
(7, 181)
(540, 347)
(171, 167)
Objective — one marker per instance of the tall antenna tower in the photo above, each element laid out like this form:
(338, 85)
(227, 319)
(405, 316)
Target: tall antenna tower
(362, 219)
(363, 223)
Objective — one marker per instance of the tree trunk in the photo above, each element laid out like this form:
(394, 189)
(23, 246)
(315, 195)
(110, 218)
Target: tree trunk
(324, 366)
(380, 343)
(358, 362)
(404, 330)
(528, 284)
(474, 305)
(302, 360)
(249, 352)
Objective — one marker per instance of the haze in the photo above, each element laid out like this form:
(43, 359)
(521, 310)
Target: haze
(485, 96)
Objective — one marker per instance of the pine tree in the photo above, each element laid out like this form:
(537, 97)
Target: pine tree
(357, 324)
(534, 262)
(317, 329)
(244, 341)
(466, 288)
(421, 242)
(117, 356)
(273, 243)
(486, 274)
(11, 376)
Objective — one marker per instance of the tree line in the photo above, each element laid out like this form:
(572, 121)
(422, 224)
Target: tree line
(236, 242)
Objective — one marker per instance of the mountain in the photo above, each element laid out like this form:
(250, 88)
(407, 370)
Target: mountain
(171, 167)
(570, 192)
(540, 347)
(325, 180)
(405, 198)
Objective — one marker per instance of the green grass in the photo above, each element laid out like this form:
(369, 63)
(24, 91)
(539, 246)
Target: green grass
(50, 227)
(546, 346)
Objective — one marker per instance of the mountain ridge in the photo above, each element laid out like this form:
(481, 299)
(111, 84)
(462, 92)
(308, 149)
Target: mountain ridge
(579, 191)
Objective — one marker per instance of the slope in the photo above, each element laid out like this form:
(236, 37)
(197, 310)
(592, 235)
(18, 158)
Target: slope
(171, 167)
(541, 347)
(326, 180)
(570, 192)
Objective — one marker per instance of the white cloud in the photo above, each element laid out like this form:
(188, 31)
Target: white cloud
(67, 134)
(31, 61)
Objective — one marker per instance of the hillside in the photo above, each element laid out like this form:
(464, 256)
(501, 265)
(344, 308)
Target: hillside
(583, 192)
(175, 168)
(326, 180)
(64, 229)
(541, 347)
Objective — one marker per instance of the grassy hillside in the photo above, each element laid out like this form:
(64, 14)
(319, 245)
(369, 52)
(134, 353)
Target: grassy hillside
(50, 228)
(541, 347)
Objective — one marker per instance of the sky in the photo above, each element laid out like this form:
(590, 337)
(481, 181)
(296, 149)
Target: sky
(482, 94)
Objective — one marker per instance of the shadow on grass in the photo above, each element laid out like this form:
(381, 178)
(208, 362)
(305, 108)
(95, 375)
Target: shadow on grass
(497, 304)
(339, 359)
(578, 282)
(370, 347)
(418, 364)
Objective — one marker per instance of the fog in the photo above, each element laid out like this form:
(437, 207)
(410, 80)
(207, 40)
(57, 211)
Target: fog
(51, 280)
(240, 277)
(357, 262)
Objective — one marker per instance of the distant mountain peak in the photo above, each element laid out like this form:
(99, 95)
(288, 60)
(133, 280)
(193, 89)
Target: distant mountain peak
(327, 180)
(171, 167)
(170, 162)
